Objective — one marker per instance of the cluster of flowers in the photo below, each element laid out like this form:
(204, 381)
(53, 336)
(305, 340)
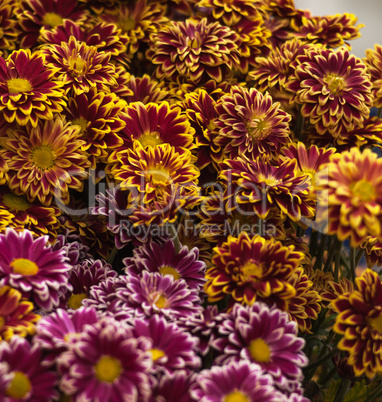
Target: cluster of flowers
(186, 190)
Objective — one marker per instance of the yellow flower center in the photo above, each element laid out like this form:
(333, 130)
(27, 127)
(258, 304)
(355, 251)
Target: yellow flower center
(258, 128)
(17, 85)
(75, 300)
(127, 24)
(159, 175)
(108, 369)
(260, 351)
(24, 266)
(52, 19)
(364, 190)
(252, 271)
(161, 302)
(236, 396)
(19, 387)
(43, 157)
(335, 84)
(15, 202)
(169, 271)
(77, 64)
(157, 354)
(376, 323)
(82, 123)
(150, 140)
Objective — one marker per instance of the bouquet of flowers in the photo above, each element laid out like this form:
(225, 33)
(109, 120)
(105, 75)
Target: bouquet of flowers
(190, 203)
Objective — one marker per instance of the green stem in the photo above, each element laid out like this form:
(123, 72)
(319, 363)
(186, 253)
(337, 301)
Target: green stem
(335, 245)
(359, 256)
(112, 256)
(379, 113)
(327, 377)
(320, 254)
(345, 384)
(313, 240)
(352, 263)
(322, 359)
(377, 392)
(337, 264)
(174, 236)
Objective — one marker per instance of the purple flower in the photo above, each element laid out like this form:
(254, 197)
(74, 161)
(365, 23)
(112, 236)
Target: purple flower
(174, 387)
(73, 247)
(266, 336)
(172, 349)
(85, 275)
(6, 377)
(106, 363)
(153, 293)
(241, 381)
(31, 380)
(163, 258)
(31, 266)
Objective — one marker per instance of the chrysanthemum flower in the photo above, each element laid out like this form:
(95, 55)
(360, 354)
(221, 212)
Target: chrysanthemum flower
(373, 252)
(331, 31)
(40, 220)
(252, 268)
(232, 12)
(264, 336)
(333, 89)
(105, 37)
(45, 161)
(310, 160)
(8, 25)
(36, 14)
(31, 380)
(137, 21)
(242, 381)
(197, 51)
(33, 268)
(163, 258)
(359, 320)
(82, 277)
(53, 331)
(5, 377)
(250, 124)
(145, 89)
(267, 185)
(4, 169)
(106, 362)
(305, 306)
(354, 195)
(153, 124)
(200, 108)
(274, 70)
(152, 293)
(373, 61)
(172, 348)
(203, 325)
(16, 316)
(29, 91)
(336, 289)
(174, 387)
(98, 115)
(80, 67)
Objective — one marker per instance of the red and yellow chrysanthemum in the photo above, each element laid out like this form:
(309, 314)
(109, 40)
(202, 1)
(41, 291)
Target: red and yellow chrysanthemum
(353, 184)
(153, 124)
(331, 31)
(250, 124)
(33, 15)
(373, 61)
(16, 316)
(359, 320)
(45, 161)
(80, 67)
(145, 89)
(333, 89)
(39, 219)
(194, 50)
(8, 25)
(136, 20)
(98, 115)
(265, 185)
(29, 91)
(252, 268)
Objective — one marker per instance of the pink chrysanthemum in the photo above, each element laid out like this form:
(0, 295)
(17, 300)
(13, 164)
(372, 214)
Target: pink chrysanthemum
(31, 380)
(29, 265)
(163, 258)
(172, 348)
(174, 387)
(267, 337)
(105, 362)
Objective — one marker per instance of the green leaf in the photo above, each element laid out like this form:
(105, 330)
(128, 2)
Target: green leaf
(359, 391)
(332, 390)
